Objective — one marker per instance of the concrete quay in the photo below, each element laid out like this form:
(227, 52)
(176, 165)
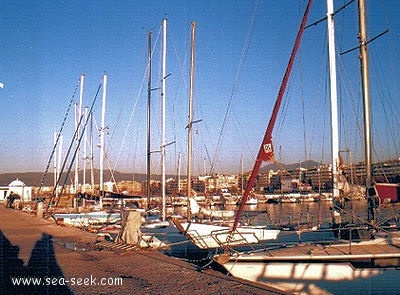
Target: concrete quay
(64, 260)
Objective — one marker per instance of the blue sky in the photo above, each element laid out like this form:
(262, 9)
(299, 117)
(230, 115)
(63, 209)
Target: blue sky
(46, 45)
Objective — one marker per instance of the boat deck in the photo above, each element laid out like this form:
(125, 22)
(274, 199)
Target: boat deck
(365, 250)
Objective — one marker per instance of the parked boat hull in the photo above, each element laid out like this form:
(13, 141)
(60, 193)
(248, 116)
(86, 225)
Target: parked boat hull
(388, 192)
(208, 236)
(86, 219)
(341, 268)
(317, 278)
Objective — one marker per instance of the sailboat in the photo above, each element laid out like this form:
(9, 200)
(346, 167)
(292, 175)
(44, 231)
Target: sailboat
(211, 236)
(153, 223)
(195, 208)
(334, 266)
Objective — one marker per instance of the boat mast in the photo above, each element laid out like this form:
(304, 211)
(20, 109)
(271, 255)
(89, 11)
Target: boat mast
(163, 50)
(78, 114)
(82, 80)
(265, 152)
(190, 122)
(76, 146)
(102, 130)
(91, 153)
(367, 104)
(333, 94)
(366, 93)
(179, 171)
(59, 162)
(85, 157)
(55, 161)
(148, 118)
(241, 174)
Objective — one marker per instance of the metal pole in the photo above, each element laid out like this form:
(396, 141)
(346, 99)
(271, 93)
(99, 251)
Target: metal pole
(366, 92)
(367, 107)
(164, 48)
(103, 113)
(333, 93)
(190, 124)
(148, 119)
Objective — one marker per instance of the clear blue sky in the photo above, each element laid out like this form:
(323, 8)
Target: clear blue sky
(46, 45)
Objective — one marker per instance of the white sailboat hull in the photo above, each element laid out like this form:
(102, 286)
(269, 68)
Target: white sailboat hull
(368, 266)
(86, 219)
(318, 278)
(195, 208)
(208, 236)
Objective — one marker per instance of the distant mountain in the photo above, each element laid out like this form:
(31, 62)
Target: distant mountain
(35, 178)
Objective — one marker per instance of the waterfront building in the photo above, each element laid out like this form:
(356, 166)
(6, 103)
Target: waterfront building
(17, 187)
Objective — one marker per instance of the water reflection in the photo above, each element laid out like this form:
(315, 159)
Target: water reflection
(289, 217)
(308, 213)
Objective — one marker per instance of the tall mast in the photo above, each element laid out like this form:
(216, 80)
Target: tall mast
(179, 171)
(333, 94)
(55, 161)
(60, 146)
(367, 105)
(55, 171)
(102, 130)
(91, 154)
(82, 79)
(78, 119)
(59, 162)
(85, 157)
(76, 113)
(190, 121)
(366, 92)
(163, 50)
(241, 174)
(265, 152)
(148, 118)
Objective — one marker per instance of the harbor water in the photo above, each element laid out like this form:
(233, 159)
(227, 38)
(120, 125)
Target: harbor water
(297, 222)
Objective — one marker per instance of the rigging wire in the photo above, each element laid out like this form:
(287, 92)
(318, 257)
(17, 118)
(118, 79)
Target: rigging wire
(302, 103)
(318, 108)
(324, 18)
(133, 111)
(58, 138)
(241, 132)
(235, 84)
(355, 107)
(388, 101)
(384, 105)
(52, 198)
(183, 81)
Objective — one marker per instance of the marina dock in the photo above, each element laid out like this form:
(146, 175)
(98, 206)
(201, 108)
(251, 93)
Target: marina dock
(67, 261)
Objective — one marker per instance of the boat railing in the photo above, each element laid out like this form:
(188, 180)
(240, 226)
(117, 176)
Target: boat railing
(155, 240)
(347, 235)
(227, 238)
(224, 238)
(201, 239)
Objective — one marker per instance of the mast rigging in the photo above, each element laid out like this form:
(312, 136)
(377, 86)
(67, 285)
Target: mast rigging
(266, 152)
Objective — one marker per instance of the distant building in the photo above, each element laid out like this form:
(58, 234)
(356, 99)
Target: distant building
(17, 187)
(3, 193)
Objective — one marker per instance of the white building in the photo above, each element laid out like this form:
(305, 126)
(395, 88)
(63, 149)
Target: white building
(17, 187)
(3, 193)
